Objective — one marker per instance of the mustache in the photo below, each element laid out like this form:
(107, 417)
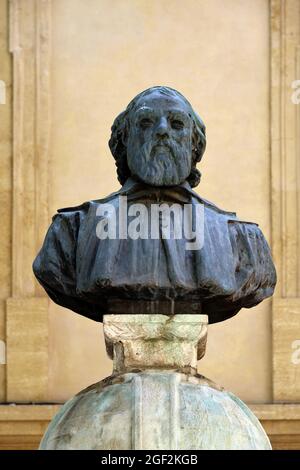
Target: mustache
(150, 146)
(174, 162)
(162, 143)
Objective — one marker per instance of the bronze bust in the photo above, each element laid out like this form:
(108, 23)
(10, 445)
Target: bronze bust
(90, 264)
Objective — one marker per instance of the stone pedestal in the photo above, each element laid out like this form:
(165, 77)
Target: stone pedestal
(155, 341)
(155, 399)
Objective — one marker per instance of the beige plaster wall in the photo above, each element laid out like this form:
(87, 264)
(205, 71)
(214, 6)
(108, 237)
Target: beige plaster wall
(216, 53)
(5, 184)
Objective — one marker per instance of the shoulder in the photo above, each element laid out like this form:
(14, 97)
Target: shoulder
(230, 216)
(246, 223)
(210, 205)
(67, 221)
(86, 206)
(237, 227)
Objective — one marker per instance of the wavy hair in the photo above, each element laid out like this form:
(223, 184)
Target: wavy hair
(120, 129)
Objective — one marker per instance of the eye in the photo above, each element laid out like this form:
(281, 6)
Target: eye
(145, 123)
(177, 124)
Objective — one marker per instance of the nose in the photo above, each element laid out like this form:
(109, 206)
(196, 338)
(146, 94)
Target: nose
(162, 128)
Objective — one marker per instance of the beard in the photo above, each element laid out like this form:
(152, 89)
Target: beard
(160, 163)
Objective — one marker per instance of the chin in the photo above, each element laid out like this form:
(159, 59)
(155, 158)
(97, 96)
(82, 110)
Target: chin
(160, 179)
(160, 168)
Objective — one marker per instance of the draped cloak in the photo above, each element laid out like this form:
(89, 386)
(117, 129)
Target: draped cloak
(233, 268)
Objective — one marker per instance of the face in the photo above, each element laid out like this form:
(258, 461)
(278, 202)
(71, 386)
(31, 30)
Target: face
(159, 144)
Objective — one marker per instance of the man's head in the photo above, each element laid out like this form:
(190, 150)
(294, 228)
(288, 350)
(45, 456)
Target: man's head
(159, 139)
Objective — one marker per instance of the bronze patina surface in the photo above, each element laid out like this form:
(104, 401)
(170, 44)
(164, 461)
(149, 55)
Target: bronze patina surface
(156, 142)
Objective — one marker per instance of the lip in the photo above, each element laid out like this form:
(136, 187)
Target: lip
(161, 145)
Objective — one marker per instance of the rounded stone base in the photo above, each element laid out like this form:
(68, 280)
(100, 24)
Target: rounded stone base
(155, 410)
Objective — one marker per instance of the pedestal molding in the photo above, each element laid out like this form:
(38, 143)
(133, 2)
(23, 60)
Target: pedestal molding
(30, 46)
(285, 191)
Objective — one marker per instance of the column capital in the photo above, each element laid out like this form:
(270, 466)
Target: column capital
(155, 341)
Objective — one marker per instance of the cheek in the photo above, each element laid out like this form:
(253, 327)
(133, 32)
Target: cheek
(135, 138)
(184, 138)
(146, 135)
(141, 136)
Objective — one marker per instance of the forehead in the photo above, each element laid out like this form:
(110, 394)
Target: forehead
(161, 102)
